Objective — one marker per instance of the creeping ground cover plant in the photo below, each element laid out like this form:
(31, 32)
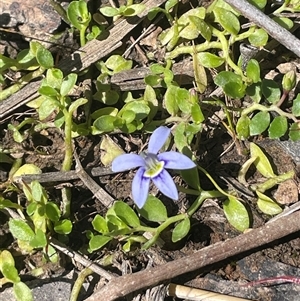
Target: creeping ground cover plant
(152, 166)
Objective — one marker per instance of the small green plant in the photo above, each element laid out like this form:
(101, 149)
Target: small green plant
(10, 275)
(127, 10)
(36, 60)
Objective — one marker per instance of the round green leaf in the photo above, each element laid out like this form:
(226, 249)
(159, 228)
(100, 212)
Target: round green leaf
(22, 292)
(99, 224)
(126, 214)
(20, 230)
(78, 14)
(97, 242)
(139, 107)
(52, 211)
(10, 272)
(27, 169)
(271, 90)
(254, 91)
(181, 230)
(40, 240)
(267, 205)
(210, 60)
(44, 58)
(259, 38)
(242, 127)
(202, 27)
(228, 20)
(259, 123)
(236, 214)
(63, 227)
(253, 70)
(153, 210)
(278, 127)
(109, 11)
(231, 83)
(260, 4)
(68, 84)
(105, 123)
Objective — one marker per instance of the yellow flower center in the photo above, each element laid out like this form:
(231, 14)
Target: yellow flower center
(153, 166)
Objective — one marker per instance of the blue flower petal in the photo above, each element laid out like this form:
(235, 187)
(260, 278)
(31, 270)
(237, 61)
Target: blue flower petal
(176, 160)
(166, 185)
(126, 162)
(140, 188)
(158, 139)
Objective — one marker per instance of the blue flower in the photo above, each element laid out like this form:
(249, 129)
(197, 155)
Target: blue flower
(152, 166)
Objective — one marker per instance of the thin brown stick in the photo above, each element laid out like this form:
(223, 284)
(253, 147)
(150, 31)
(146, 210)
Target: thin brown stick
(274, 29)
(124, 285)
(98, 192)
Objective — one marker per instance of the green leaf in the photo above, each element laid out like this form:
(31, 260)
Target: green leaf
(68, 84)
(47, 107)
(182, 98)
(296, 106)
(236, 214)
(267, 205)
(259, 123)
(228, 20)
(170, 4)
(153, 210)
(6, 257)
(271, 90)
(126, 214)
(181, 230)
(260, 4)
(253, 70)
(284, 22)
(259, 38)
(38, 193)
(139, 107)
(52, 211)
(262, 163)
(170, 100)
(114, 222)
(209, 60)
(20, 229)
(294, 132)
(54, 78)
(10, 272)
(22, 292)
(44, 58)
(197, 114)
(63, 227)
(242, 127)
(76, 104)
(97, 242)
(117, 63)
(109, 11)
(40, 240)
(254, 91)
(78, 14)
(99, 224)
(47, 91)
(134, 10)
(202, 27)
(278, 127)
(105, 123)
(4, 203)
(231, 83)
(109, 150)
